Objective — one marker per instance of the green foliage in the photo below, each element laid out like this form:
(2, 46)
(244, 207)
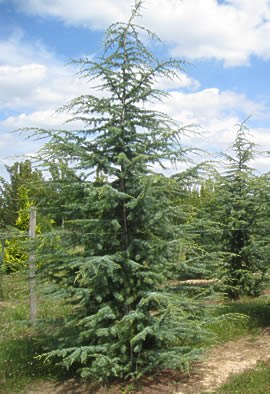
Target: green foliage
(25, 189)
(119, 238)
(24, 184)
(16, 254)
(199, 254)
(61, 197)
(241, 207)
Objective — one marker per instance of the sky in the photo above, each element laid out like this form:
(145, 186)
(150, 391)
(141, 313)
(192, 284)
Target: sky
(226, 45)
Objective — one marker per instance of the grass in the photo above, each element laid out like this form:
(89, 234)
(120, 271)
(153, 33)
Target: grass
(255, 381)
(256, 317)
(244, 317)
(20, 343)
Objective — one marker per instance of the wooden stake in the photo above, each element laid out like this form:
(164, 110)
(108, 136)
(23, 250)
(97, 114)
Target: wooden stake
(2, 269)
(32, 267)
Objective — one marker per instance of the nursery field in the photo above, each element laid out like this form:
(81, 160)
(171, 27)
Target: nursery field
(132, 260)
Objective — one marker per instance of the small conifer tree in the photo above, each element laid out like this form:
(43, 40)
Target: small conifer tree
(242, 210)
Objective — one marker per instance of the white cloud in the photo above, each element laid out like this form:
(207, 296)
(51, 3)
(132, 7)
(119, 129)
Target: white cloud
(12, 76)
(38, 86)
(181, 80)
(16, 83)
(262, 138)
(16, 145)
(15, 50)
(231, 31)
(33, 82)
(13, 147)
(262, 164)
(218, 113)
(31, 77)
(38, 119)
(84, 13)
(208, 104)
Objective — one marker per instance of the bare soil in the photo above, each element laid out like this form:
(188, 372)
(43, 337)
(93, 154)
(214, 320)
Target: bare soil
(220, 363)
(226, 360)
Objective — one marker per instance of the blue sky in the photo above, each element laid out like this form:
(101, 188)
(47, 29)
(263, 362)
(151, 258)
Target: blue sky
(226, 42)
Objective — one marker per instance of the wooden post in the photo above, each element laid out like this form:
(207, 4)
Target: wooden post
(32, 267)
(2, 268)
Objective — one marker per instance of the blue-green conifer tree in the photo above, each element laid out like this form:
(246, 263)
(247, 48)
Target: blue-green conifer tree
(120, 231)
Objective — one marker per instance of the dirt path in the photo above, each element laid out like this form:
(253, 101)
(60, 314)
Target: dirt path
(225, 360)
(221, 362)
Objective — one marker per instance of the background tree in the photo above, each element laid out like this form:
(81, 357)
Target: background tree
(199, 252)
(21, 175)
(242, 205)
(25, 187)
